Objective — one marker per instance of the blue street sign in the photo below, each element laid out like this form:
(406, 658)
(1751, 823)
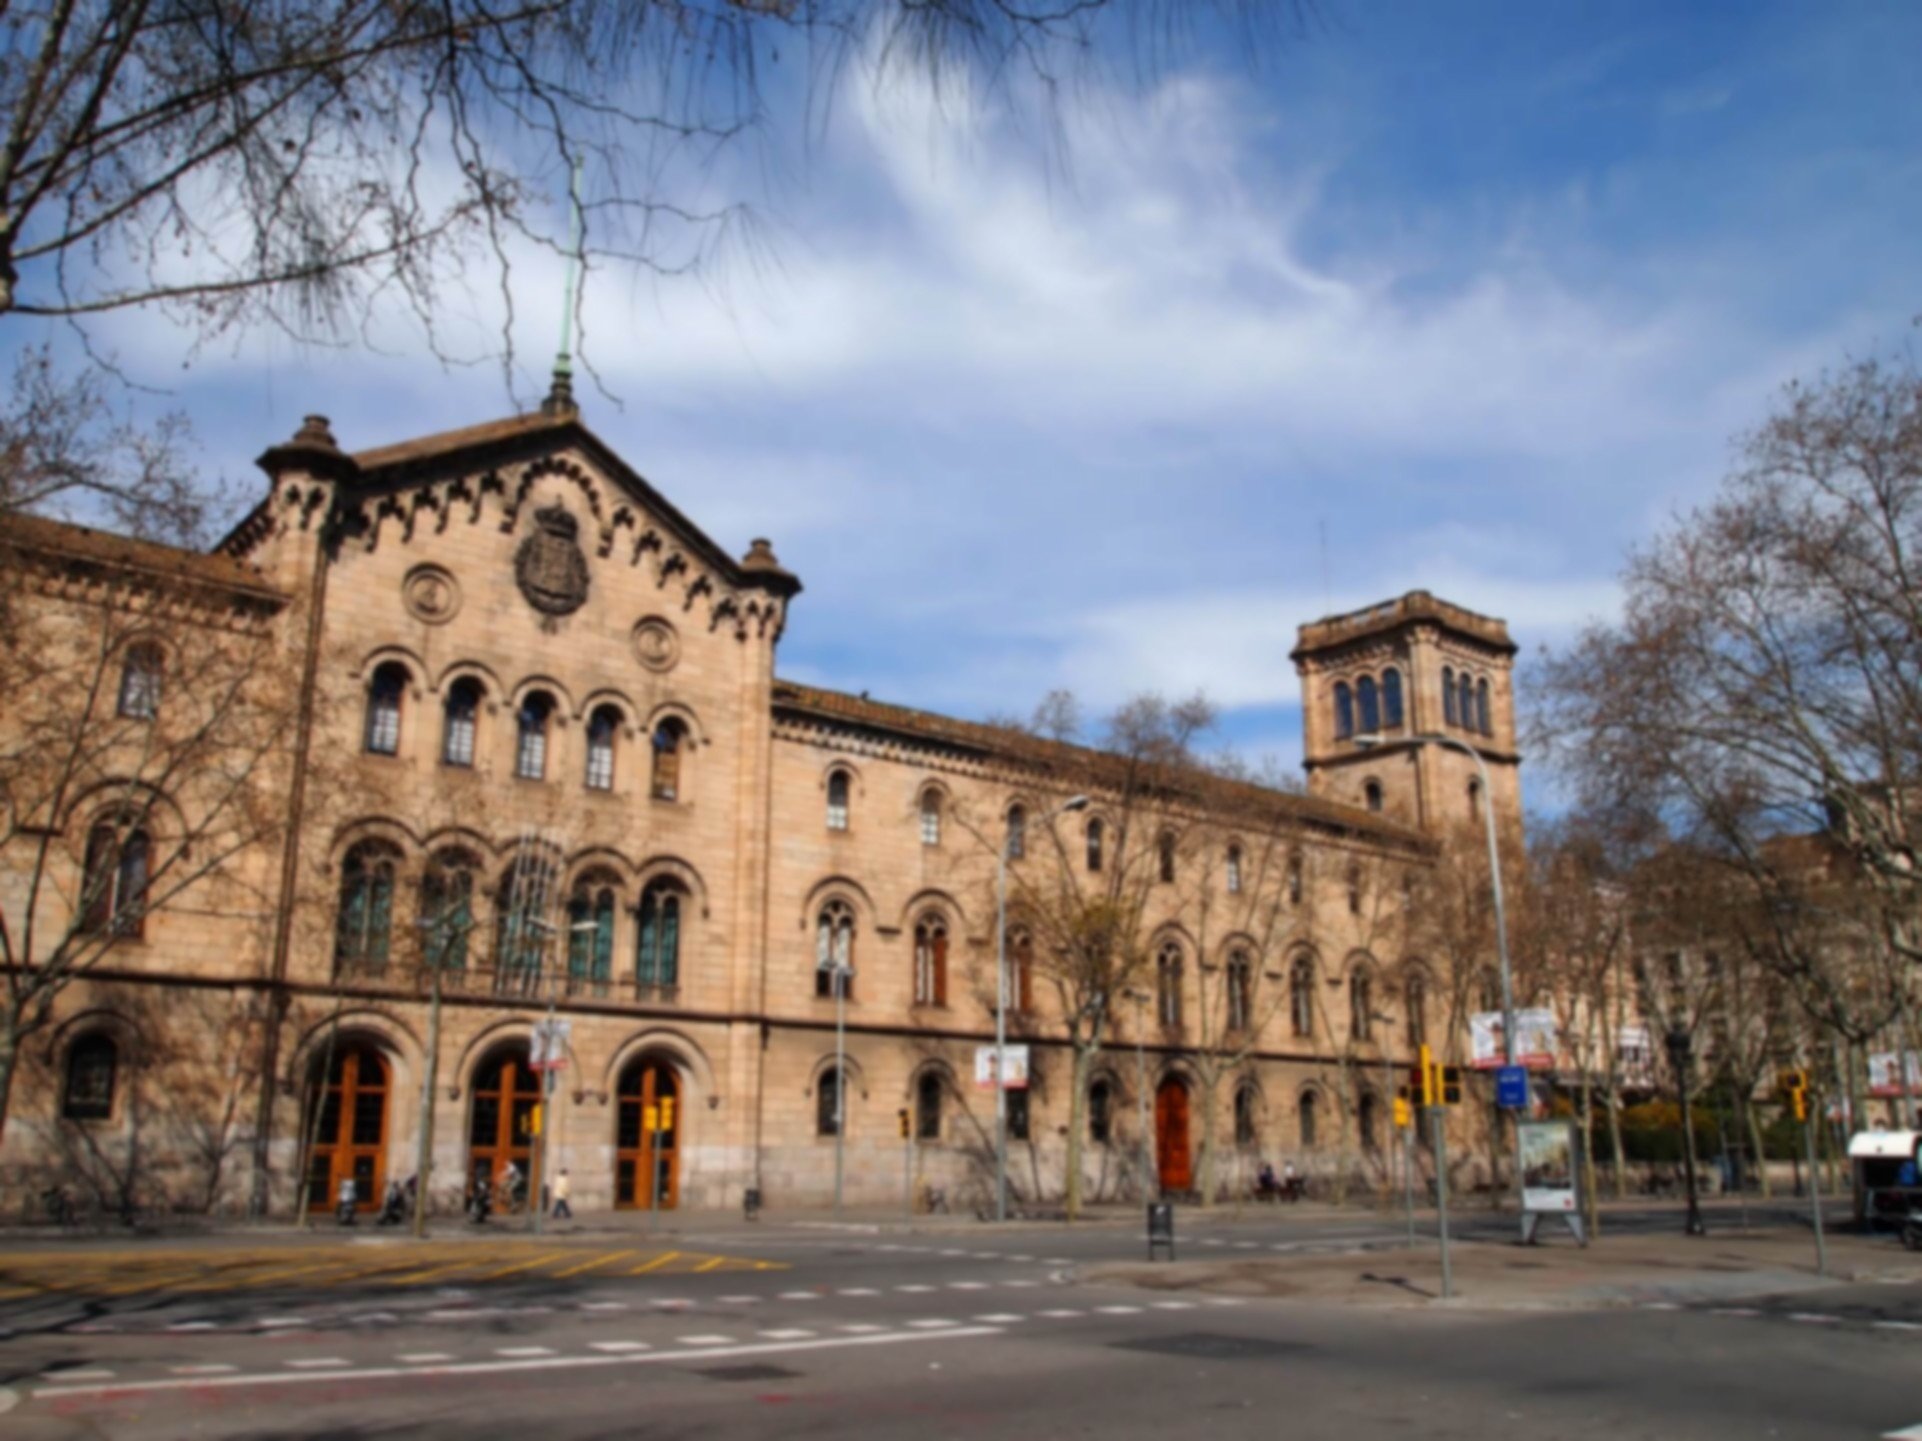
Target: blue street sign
(1511, 1088)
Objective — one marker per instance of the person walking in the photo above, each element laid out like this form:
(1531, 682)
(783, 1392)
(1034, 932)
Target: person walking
(563, 1188)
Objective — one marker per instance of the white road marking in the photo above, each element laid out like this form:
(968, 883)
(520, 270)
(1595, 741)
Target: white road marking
(1056, 1261)
(1059, 1315)
(999, 1318)
(210, 1368)
(518, 1352)
(622, 1305)
(1813, 1318)
(1224, 1301)
(914, 1290)
(1245, 1245)
(933, 1323)
(967, 1285)
(705, 1340)
(789, 1334)
(619, 1348)
(800, 1296)
(954, 1253)
(1020, 1258)
(739, 1300)
(480, 1368)
(1174, 1305)
(191, 1326)
(95, 1375)
(675, 1303)
(1021, 1285)
(1660, 1306)
(318, 1363)
(1119, 1310)
(1907, 1433)
(1733, 1311)
(860, 1329)
(1898, 1325)
(281, 1321)
(858, 1291)
(422, 1358)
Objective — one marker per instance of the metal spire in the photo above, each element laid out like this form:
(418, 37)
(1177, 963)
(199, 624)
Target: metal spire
(560, 395)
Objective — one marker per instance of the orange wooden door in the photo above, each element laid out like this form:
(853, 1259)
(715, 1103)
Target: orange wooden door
(501, 1122)
(351, 1138)
(640, 1152)
(1172, 1155)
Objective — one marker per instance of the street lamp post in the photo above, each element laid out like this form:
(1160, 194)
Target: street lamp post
(1366, 742)
(1140, 998)
(1679, 1056)
(1073, 803)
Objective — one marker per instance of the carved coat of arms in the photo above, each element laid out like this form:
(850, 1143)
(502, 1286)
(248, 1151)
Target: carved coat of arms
(549, 565)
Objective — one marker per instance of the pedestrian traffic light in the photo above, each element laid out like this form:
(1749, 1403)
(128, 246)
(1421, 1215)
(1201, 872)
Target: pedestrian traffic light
(1404, 1113)
(1794, 1085)
(1451, 1085)
(667, 1113)
(1425, 1078)
(902, 1116)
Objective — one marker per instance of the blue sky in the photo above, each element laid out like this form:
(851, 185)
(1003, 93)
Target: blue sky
(1477, 293)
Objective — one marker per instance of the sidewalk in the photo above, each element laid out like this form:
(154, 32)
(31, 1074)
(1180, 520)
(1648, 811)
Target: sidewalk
(1613, 1271)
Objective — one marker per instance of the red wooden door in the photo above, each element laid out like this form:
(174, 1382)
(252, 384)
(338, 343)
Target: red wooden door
(1172, 1155)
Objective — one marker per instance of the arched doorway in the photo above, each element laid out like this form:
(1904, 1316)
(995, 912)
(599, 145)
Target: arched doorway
(350, 1132)
(501, 1115)
(1173, 1156)
(649, 1092)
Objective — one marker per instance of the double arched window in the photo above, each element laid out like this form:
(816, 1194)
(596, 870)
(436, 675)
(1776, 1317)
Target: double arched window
(838, 786)
(363, 930)
(447, 910)
(670, 745)
(590, 935)
(1361, 1005)
(1369, 706)
(1241, 991)
(460, 714)
(930, 817)
(93, 1065)
(1168, 984)
(140, 674)
(530, 748)
(602, 729)
(1344, 711)
(1301, 996)
(931, 961)
(657, 944)
(384, 696)
(1017, 832)
(1234, 870)
(113, 885)
(834, 949)
(1247, 1114)
(1451, 704)
(1465, 701)
(1391, 713)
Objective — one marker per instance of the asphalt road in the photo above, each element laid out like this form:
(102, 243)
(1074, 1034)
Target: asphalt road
(980, 1334)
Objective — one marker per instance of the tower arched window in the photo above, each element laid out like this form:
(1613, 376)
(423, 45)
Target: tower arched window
(530, 741)
(670, 747)
(931, 961)
(1097, 833)
(1361, 1005)
(657, 944)
(363, 930)
(1234, 870)
(1168, 985)
(1017, 832)
(384, 693)
(930, 817)
(521, 907)
(927, 1106)
(1449, 713)
(1482, 721)
(1294, 880)
(1020, 972)
(1368, 703)
(1371, 792)
(1306, 1120)
(834, 949)
(1166, 849)
(1391, 712)
(140, 674)
(1301, 996)
(113, 886)
(590, 936)
(1465, 701)
(1241, 991)
(602, 727)
(447, 910)
(93, 1065)
(459, 715)
(1344, 711)
(838, 801)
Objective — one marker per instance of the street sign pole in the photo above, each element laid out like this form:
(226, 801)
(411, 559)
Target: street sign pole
(1408, 1177)
(1815, 1197)
(1437, 1119)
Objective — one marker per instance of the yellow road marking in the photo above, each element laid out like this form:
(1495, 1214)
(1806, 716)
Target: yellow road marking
(145, 1283)
(600, 1260)
(654, 1265)
(281, 1273)
(712, 1263)
(523, 1266)
(415, 1277)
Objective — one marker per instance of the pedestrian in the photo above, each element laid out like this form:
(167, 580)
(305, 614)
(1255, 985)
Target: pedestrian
(1290, 1180)
(345, 1200)
(509, 1188)
(563, 1188)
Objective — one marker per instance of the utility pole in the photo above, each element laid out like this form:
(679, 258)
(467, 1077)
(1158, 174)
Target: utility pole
(1150, 1182)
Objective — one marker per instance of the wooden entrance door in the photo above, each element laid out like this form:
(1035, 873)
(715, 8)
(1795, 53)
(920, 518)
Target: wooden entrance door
(1173, 1158)
(350, 1140)
(500, 1127)
(637, 1150)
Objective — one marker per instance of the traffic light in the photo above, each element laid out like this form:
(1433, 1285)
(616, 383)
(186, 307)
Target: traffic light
(902, 1116)
(1425, 1078)
(1404, 1113)
(1794, 1085)
(1451, 1085)
(667, 1113)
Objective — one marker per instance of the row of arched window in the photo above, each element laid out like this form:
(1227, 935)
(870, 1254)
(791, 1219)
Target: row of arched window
(529, 907)
(1465, 702)
(1368, 706)
(534, 724)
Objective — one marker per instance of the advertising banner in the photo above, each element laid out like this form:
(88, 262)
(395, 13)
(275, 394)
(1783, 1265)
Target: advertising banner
(1534, 1039)
(1885, 1080)
(1017, 1079)
(1548, 1166)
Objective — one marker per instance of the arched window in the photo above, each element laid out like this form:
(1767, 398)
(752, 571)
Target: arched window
(521, 923)
(1368, 1121)
(1344, 711)
(1096, 834)
(113, 886)
(838, 801)
(828, 1118)
(670, 745)
(447, 910)
(657, 944)
(1168, 984)
(1465, 702)
(1247, 1105)
(1361, 1005)
(1101, 1113)
(1234, 870)
(601, 729)
(1241, 991)
(1391, 715)
(1475, 799)
(1449, 712)
(1017, 832)
(1368, 702)
(140, 673)
(1294, 880)
(1301, 996)
(458, 717)
(1371, 792)
(930, 817)
(363, 930)
(1415, 997)
(1167, 856)
(1482, 722)
(92, 1063)
(1305, 1120)
(927, 1106)
(530, 750)
(1020, 972)
(931, 962)
(590, 936)
(834, 949)
(384, 694)
(1354, 890)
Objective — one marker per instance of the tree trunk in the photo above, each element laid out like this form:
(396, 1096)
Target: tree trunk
(1613, 1104)
(1083, 1055)
(9, 1050)
(1753, 1123)
(1591, 1203)
(1205, 1161)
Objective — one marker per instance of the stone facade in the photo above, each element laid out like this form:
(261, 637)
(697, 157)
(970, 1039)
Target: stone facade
(510, 659)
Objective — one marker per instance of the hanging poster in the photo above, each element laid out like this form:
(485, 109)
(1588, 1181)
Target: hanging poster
(1534, 1038)
(1548, 1166)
